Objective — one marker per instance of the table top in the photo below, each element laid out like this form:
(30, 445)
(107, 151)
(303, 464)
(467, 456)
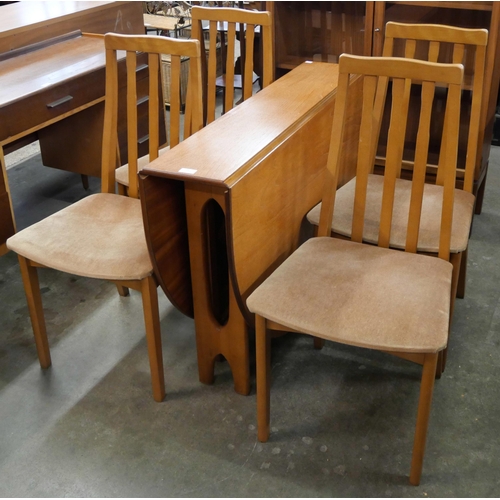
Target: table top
(27, 74)
(227, 149)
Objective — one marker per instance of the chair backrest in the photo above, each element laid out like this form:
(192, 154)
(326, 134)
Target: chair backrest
(449, 44)
(354, 108)
(154, 47)
(230, 21)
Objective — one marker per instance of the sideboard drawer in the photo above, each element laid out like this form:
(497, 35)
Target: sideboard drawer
(35, 110)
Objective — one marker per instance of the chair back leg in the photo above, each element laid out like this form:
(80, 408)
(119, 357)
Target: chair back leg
(263, 354)
(34, 299)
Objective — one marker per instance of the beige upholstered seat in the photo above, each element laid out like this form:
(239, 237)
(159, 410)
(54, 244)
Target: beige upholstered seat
(227, 19)
(102, 236)
(429, 227)
(410, 290)
(67, 241)
(362, 294)
(430, 42)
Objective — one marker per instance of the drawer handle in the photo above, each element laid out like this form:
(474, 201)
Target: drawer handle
(60, 101)
(143, 139)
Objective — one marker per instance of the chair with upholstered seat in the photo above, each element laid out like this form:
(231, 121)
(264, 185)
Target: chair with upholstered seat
(361, 294)
(443, 44)
(102, 236)
(229, 20)
(433, 43)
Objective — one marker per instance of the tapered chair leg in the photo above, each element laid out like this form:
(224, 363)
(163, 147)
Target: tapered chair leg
(122, 290)
(122, 190)
(424, 409)
(85, 181)
(34, 299)
(153, 336)
(318, 343)
(263, 358)
(462, 277)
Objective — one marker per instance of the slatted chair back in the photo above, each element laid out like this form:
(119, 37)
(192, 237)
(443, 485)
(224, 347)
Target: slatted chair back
(154, 46)
(229, 22)
(402, 72)
(446, 44)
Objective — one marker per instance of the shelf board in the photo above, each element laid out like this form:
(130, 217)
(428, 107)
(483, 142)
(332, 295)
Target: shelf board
(486, 6)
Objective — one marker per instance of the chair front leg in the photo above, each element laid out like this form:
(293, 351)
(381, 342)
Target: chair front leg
(34, 299)
(153, 336)
(424, 409)
(263, 360)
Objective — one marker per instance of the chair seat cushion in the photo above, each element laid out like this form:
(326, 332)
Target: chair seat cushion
(121, 173)
(100, 236)
(428, 240)
(360, 295)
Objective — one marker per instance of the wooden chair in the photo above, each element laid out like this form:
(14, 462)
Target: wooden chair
(365, 295)
(433, 43)
(228, 18)
(179, 52)
(102, 236)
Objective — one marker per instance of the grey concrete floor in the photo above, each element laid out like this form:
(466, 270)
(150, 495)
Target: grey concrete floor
(342, 418)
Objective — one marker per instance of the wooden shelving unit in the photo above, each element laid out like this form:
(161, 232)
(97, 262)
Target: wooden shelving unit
(323, 30)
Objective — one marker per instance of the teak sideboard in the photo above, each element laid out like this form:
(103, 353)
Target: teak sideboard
(321, 31)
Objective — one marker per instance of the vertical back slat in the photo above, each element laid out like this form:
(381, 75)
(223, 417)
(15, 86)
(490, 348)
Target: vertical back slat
(410, 48)
(420, 166)
(405, 104)
(458, 53)
(450, 153)
(267, 55)
(132, 123)
(388, 46)
(364, 165)
(197, 34)
(248, 73)
(175, 102)
(110, 138)
(433, 51)
(212, 71)
(188, 108)
(154, 104)
(196, 99)
(334, 156)
(229, 97)
(395, 142)
(475, 118)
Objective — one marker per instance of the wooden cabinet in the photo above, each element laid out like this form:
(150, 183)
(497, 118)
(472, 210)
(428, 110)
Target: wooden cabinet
(319, 31)
(323, 30)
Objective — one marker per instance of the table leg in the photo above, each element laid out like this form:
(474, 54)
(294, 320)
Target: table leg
(219, 323)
